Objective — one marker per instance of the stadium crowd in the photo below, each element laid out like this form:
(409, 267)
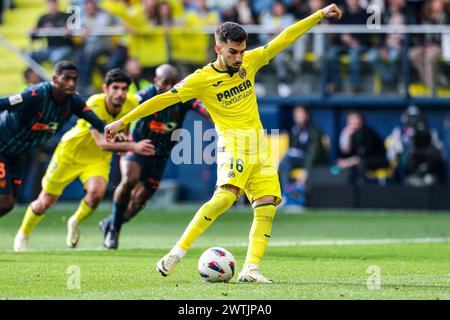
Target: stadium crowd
(172, 31)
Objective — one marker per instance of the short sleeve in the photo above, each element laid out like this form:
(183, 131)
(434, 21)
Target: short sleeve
(190, 87)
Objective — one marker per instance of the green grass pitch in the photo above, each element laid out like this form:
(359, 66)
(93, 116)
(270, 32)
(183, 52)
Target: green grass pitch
(314, 255)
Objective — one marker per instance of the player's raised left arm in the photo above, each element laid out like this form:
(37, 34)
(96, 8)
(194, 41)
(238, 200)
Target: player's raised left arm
(155, 104)
(293, 32)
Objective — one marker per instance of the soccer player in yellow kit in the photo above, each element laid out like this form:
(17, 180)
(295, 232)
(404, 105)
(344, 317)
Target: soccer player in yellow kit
(84, 153)
(226, 87)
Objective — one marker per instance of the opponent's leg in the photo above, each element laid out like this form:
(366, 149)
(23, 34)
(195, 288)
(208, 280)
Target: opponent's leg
(139, 196)
(95, 191)
(263, 213)
(6, 203)
(221, 201)
(131, 172)
(33, 215)
(11, 171)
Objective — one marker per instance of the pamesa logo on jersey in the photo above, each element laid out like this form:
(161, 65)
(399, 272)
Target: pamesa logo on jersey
(235, 94)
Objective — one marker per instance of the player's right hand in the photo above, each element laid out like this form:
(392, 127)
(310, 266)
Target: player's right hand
(112, 129)
(332, 11)
(144, 147)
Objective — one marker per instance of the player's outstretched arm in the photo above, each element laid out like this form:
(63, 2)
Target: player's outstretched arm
(293, 32)
(143, 147)
(19, 100)
(155, 104)
(91, 117)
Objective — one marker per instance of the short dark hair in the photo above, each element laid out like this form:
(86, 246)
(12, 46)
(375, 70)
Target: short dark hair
(230, 31)
(117, 75)
(64, 65)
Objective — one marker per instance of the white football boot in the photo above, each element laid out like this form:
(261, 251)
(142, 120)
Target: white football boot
(252, 274)
(73, 232)
(20, 242)
(167, 263)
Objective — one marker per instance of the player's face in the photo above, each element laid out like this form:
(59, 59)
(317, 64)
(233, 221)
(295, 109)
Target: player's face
(232, 54)
(116, 94)
(66, 82)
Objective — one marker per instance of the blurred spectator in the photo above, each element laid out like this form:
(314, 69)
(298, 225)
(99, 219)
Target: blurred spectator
(165, 17)
(387, 53)
(261, 6)
(352, 44)
(221, 5)
(416, 7)
(144, 34)
(362, 149)
(278, 19)
(30, 77)
(59, 47)
(306, 148)
(189, 42)
(93, 46)
(241, 13)
(308, 42)
(426, 54)
(378, 3)
(417, 150)
(134, 69)
(245, 15)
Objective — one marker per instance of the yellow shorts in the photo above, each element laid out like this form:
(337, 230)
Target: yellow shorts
(255, 177)
(61, 171)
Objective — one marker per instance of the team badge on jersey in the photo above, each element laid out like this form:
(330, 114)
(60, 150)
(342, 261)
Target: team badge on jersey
(15, 99)
(231, 174)
(242, 73)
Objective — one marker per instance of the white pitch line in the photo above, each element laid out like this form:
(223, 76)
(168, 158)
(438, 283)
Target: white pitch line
(274, 244)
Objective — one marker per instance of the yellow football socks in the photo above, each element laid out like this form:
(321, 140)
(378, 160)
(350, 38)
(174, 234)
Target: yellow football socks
(263, 215)
(221, 201)
(30, 221)
(83, 211)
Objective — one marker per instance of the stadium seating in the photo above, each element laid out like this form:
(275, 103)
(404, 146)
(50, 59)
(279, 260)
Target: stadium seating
(15, 29)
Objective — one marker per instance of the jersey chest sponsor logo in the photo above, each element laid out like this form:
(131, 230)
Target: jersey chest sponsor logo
(50, 128)
(234, 91)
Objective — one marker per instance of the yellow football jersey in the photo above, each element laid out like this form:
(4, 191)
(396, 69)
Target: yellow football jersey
(230, 97)
(78, 143)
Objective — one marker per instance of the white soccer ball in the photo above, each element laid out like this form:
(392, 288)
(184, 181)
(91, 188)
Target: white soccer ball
(216, 265)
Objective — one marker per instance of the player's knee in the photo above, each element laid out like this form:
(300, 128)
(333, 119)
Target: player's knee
(6, 206)
(43, 202)
(129, 183)
(93, 198)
